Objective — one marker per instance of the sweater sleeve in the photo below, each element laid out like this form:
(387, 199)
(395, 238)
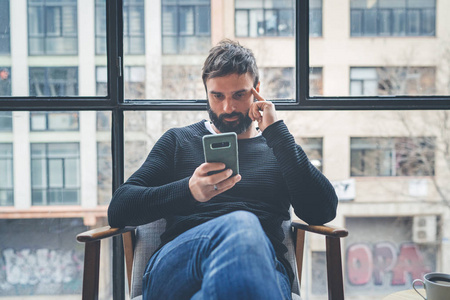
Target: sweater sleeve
(311, 194)
(151, 193)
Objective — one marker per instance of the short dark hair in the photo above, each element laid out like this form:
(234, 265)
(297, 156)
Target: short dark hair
(229, 57)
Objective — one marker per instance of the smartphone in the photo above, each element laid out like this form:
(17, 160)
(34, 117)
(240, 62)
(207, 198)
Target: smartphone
(223, 148)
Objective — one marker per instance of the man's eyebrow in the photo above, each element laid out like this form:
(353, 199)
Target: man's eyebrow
(240, 91)
(235, 92)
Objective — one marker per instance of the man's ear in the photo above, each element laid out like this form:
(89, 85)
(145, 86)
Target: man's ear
(257, 86)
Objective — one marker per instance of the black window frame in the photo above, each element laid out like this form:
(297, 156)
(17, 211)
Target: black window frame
(115, 103)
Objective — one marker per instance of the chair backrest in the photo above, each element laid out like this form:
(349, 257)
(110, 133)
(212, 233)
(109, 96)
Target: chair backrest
(148, 240)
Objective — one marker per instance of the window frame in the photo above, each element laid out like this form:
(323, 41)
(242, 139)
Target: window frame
(115, 103)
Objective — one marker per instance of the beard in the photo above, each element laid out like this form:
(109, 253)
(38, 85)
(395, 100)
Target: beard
(239, 126)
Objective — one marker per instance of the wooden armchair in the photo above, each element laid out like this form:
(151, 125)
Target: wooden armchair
(140, 242)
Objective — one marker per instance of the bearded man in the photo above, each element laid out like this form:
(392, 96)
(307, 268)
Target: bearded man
(223, 238)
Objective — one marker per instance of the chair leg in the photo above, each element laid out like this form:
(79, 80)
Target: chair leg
(334, 269)
(299, 248)
(91, 270)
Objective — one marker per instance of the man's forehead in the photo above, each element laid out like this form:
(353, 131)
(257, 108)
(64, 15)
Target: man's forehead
(230, 83)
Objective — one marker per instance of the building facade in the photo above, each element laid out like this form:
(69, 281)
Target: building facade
(390, 168)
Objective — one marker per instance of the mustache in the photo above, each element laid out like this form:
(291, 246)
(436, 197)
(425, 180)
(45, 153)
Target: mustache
(233, 114)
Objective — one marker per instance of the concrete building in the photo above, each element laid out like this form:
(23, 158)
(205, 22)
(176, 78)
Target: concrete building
(390, 168)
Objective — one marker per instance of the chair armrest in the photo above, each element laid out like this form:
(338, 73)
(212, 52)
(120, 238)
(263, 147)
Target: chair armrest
(101, 233)
(327, 230)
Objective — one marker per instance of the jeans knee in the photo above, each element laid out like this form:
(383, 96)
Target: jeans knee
(243, 218)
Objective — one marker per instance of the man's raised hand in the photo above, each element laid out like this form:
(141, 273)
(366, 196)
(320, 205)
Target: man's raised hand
(262, 111)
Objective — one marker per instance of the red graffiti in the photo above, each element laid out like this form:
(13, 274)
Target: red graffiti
(365, 263)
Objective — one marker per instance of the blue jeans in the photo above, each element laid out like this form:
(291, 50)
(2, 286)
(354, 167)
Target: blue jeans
(229, 257)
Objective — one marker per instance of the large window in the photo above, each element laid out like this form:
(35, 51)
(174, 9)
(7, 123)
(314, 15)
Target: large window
(392, 81)
(133, 29)
(264, 18)
(393, 18)
(4, 27)
(52, 27)
(186, 26)
(55, 173)
(393, 156)
(6, 175)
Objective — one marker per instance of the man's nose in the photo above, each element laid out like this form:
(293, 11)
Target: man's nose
(229, 106)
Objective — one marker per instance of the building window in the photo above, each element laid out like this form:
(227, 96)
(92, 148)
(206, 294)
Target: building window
(5, 121)
(4, 27)
(52, 27)
(134, 80)
(315, 18)
(133, 27)
(6, 175)
(53, 81)
(264, 18)
(393, 18)
(104, 173)
(55, 174)
(5, 81)
(54, 121)
(313, 149)
(186, 26)
(278, 83)
(315, 81)
(402, 156)
(384, 81)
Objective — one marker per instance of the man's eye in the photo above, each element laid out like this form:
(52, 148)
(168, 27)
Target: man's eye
(239, 95)
(218, 96)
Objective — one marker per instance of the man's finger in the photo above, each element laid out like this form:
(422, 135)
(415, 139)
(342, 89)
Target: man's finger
(205, 168)
(257, 95)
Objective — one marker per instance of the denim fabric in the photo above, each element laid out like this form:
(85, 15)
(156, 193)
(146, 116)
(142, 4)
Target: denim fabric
(229, 257)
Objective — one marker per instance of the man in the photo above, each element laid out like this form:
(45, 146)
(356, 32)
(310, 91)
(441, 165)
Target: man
(223, 238)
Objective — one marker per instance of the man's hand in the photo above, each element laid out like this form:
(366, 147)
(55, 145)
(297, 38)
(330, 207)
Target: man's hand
(203, 186)
(262, 111)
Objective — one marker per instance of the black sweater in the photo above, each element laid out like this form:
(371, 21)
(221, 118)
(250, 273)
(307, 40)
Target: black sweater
(276, 173)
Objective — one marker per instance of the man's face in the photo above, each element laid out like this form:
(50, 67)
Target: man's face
(229, 100)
